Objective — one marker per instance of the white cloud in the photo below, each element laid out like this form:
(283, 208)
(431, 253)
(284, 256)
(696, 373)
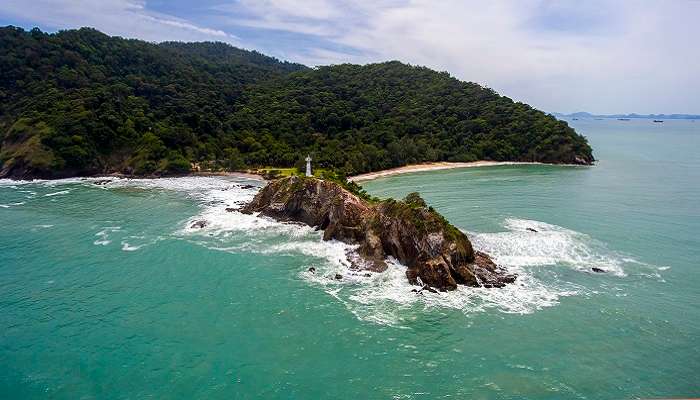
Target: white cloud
(564, 55)
(598, 56)
(115, 17)
(185, 25)
(311, 9)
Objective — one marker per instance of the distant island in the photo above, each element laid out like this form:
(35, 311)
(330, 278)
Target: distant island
(583, 114)
(81, 103)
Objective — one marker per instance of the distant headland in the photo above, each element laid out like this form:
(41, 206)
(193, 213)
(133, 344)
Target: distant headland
(583, 114)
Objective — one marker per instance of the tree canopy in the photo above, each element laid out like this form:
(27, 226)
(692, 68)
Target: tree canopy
(79, 102)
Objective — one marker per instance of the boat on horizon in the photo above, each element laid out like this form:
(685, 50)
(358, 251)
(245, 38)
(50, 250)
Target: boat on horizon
(658, 120)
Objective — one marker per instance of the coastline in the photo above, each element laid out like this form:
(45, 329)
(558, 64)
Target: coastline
(435, 166)
(247, 175)
(406, 169)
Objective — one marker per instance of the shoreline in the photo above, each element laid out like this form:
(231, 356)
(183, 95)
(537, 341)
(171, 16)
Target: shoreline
(245, 175)
(248, 175)
(436, 166)
(406, 169)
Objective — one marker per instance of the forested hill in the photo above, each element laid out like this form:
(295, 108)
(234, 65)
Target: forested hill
(79, 102)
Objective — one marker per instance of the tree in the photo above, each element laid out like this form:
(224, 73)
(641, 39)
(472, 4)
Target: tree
(111, 104)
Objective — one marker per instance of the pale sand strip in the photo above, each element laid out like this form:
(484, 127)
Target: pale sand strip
(246, 175)
(433, 166)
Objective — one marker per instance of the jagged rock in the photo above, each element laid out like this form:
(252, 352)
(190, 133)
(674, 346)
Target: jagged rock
(199, 224)
(596, 269)
(436, 253)
(428, 288)
(230, 209)
(312, 270)
(338, 276)
(531, 230)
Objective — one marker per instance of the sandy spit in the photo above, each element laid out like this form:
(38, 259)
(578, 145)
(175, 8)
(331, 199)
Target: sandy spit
(433, 166)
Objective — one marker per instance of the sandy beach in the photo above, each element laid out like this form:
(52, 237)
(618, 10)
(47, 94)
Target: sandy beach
(433, 166)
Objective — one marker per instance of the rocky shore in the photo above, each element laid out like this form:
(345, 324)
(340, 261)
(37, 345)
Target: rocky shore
(436, 253)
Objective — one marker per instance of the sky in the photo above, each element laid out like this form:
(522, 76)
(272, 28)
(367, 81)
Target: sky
(560, 56)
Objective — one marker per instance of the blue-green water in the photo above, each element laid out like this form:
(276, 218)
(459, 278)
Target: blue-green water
(106, 292)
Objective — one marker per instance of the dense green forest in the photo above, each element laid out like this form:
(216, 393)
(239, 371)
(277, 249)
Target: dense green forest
(79, 102)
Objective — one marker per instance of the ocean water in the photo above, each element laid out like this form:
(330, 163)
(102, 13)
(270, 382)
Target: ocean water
(107, 292)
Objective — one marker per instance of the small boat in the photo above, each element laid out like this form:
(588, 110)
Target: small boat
(623, 119)
(658, 120)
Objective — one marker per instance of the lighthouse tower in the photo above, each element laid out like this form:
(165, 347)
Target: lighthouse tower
(308, 165)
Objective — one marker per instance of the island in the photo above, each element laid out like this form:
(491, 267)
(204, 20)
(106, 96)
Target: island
(438, 256)
(82, 103)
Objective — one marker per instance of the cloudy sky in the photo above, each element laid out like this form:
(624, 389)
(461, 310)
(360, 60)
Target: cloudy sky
(598, 56)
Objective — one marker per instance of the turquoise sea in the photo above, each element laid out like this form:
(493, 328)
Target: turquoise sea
(106, 292)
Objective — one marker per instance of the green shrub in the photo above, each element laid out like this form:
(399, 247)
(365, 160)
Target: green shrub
(413, 199)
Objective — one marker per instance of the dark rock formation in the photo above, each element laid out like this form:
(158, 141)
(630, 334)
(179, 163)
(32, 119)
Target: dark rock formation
(531, 230)
(199, 224)
(426, 288)
(436, 253)
(598, 270)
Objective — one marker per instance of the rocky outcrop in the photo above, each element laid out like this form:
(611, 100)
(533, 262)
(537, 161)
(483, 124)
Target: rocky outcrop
(436, 253)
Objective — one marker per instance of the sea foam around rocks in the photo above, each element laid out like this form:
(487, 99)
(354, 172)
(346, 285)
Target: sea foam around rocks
(387, 298)
(383, 298)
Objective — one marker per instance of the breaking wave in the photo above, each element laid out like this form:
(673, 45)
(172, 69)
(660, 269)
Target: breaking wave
(383, 298)
(103, 238)
(387, 298)
(520, 246)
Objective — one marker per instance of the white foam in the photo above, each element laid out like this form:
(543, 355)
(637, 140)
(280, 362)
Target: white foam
(11, 204)
(383, 298)
(57, 193)
(550, 245)
(137, 242)
(29, 193)
(127, 247)
(13, 184)
(103, 235)
(387, 298)
(196, 186)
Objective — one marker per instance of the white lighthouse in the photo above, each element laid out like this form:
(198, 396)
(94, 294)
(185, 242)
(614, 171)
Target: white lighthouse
(308, 165)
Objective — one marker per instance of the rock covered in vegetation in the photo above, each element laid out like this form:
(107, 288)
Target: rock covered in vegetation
(436, 253)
